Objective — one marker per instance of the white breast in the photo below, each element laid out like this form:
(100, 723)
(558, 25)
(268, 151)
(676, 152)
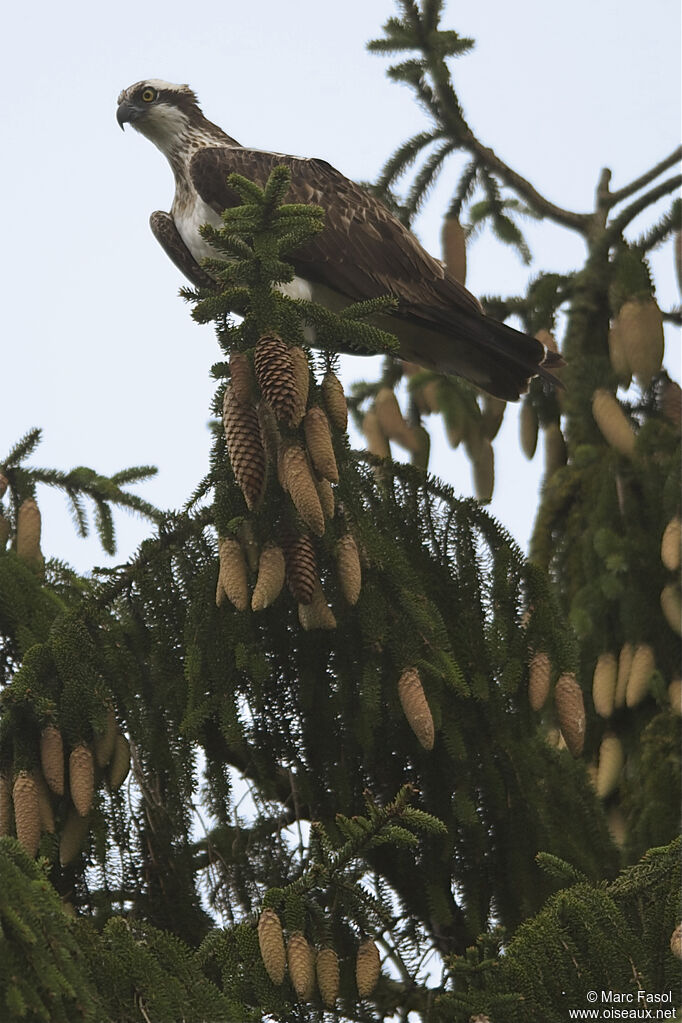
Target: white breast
(189, 219)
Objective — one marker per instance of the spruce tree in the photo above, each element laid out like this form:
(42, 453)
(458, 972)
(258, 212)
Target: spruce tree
(329, 722)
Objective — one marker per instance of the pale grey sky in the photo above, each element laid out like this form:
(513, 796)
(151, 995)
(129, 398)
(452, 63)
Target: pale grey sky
(97, 347)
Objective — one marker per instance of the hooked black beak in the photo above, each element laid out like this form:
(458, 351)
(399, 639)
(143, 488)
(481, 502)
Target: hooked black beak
(127, 113)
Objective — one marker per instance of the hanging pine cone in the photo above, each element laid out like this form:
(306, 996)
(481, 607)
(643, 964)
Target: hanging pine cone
(422, 447)
(72, 838)
(120, 762)
(299, 361)
(643, 667)
(301, 962)
(492, 415)
(367, 968)
(377, 441)
(28, 534)
(624, 666)
(277, 377)
(26, 812)
(391, 419)
(670, 544)
(453, 246)
(241, 378)
(604, 683)
(640, 328)
(328, 976)
(483, 467)
(300, 485)
(45, 813)
(671, 606)
(301, 567)
(82, 778)
(568, 698)
(334, 400)
(232, 572)
(415, 707)
(676, 942)
(618, 356)
(52, 758)
(555, 449)
(612, 421)
(271, 945)
(611, 760)
(326, 496)
(539, 678)
(104, 743)
(5, 805)
(675, 696)
(244, 446)
(271, 573)
(528, 426)
(318, 440)
(316, 614)
(348, 566)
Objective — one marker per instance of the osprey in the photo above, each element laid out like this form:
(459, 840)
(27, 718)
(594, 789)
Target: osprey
(363, 252)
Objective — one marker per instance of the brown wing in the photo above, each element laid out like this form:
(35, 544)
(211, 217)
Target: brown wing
(363, 251)
(167, 235)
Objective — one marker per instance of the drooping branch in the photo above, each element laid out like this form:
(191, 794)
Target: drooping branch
(644, 179)
(626, 216)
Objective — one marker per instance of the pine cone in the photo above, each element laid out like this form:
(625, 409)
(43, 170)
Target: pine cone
(334, 400)
(568, 698)
(316, 614)
(675, 696)
(302, 374)
(555, 449)
(643, 667)
(301, 567)
(415, 707)
(44, 805)
(528, 425)
(52, 758)
(271, 945)
(676, 942)
(624, 666)
(277, 377)
(453, 245)
(483, 467)
(241, 379)
(539, 678)
(104, 743)
(640, 329)
(244, 446)
(604, 683)
(492, 415)
(271, 573)
(301, 962)
(612, 421)
(422, 442)
(82, 779)
(27, 812)
(377, 441)
(318, 440)
(5, 805)
(326, 496)
(348, 565)
(328, 976)
(120, 763)
(671, 606)
(233, 575)
(300, 485)
(670, 544)
(28, 534)
(611, 760)
(367, 968)
(618, 356)
(391, 419)
(73, 836)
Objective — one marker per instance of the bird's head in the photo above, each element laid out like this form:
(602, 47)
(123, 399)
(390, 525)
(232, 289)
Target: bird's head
(161, 111)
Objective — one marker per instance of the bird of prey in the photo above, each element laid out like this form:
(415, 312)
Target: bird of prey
(364, 252)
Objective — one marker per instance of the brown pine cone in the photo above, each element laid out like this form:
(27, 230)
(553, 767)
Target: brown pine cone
(271, 573)
(415, 707)
(640, 328)
(334, 401)
(642, 668)
(377, 441)
(302, 375)
(300, 485)
(105, 742)
(367, 968)
(318, 440)
(348, 565)
(82, 778)
(52, 758)
(604, 684)
(391, 419)
(328, 976)
(568, 699)
(326, 496)
(277, 377)
(245, 447)
(232, 572)
(316, 614)
(241, 378)
(612, 422)
(539, 678)
(301, 567)
(28, 534)
(453, 245)
(528, 425)
(301, 964)
(27, 812)
(271, 945)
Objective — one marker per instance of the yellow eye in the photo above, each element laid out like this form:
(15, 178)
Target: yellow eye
(148, 95)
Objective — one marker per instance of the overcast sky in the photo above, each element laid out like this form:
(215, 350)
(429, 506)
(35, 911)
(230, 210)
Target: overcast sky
(97, 348)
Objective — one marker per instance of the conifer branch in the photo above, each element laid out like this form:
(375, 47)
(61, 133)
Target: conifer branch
(624, 193)
(616, 227)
